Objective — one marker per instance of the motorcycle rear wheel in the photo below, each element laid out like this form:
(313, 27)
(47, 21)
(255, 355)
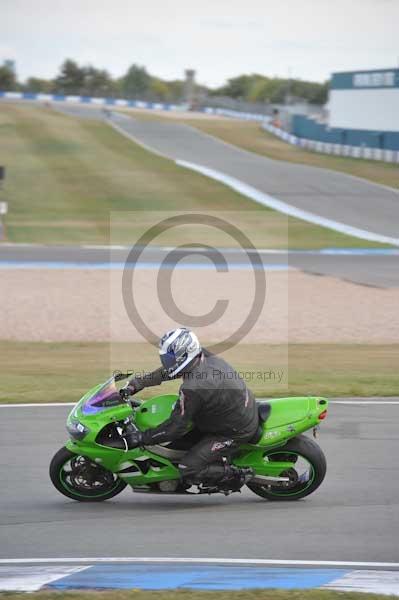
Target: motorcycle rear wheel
(300, 447)
(80, 479)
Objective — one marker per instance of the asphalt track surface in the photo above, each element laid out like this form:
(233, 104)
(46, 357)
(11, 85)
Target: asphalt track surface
(326, 193)
(367, 269)
(354, 516)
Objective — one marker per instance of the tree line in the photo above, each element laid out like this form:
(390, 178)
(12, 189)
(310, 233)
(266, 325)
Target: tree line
(137, 83)
(273, 90)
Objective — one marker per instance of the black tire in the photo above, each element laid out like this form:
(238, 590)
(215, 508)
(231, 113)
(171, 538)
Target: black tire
(306, 448)
(59, 478)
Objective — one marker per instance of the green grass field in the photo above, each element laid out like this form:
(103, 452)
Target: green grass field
(198, 595)
(66, 175)
(62, 372)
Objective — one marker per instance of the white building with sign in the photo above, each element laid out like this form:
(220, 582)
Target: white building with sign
(366, 100)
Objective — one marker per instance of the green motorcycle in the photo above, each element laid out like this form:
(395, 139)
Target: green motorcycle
(96, 463)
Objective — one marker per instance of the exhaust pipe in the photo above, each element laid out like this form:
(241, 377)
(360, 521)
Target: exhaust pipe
(269, 480)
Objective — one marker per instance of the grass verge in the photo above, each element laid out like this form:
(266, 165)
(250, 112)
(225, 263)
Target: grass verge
(65, 175)
(62, 372)
(198, 595)
(250, 136)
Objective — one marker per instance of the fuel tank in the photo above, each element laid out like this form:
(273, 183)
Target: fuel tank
(155, 411)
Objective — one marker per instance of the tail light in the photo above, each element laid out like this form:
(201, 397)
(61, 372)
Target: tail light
(322, 415)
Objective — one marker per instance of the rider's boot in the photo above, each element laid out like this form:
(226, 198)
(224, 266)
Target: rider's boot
(235, 478)
(225, 477)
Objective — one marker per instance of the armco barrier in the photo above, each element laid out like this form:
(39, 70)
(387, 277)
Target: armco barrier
(107, 102)
(313, 129)
(235, 114)
(89, 100)
(391, 156)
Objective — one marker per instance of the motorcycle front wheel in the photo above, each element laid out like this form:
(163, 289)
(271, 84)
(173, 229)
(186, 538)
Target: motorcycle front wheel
(305, 476)
(81, 479)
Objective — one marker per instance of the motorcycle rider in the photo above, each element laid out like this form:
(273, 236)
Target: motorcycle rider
(213, 398)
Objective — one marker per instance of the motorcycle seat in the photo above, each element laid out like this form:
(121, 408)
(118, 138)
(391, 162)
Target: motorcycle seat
(264, 410)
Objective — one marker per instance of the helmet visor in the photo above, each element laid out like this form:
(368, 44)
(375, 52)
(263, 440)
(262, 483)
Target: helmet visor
(168, 360)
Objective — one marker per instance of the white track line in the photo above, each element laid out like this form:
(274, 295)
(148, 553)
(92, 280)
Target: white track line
(37, 405)
(32, 579)
(208, 561)
(287, 209)
(278, 251)
(375, 402)
(365, 580)
(365, 402)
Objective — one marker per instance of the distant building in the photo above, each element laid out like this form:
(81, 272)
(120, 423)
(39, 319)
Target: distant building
(365, 100)
(363, 110)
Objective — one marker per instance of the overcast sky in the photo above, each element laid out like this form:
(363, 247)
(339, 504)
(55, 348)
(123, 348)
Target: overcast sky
(308, 39)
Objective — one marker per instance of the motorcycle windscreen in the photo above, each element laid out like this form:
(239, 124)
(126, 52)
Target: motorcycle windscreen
(104, 397)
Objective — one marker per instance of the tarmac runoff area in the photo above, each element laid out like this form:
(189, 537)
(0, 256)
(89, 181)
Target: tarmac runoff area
(344, 536)
(372, 267)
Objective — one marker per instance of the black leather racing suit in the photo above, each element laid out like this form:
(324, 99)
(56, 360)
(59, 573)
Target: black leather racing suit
(216, 401)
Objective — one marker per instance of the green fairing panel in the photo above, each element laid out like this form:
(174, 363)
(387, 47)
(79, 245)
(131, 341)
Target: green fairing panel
(155, 411)
(116, 460)
(288, 410)
(290, 417)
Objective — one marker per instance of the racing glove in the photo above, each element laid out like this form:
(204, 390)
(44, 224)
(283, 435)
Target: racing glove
(133, 437)
(126, 391)
(132, 387)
